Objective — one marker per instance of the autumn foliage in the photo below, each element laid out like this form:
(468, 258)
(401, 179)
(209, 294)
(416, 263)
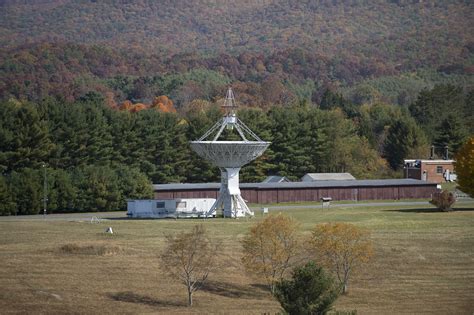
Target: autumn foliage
(464, 167)
(342, 248)
(443, 200)
(161, 103)
(271, 248)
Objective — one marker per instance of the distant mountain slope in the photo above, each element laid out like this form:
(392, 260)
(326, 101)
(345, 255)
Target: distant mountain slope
(407, 34)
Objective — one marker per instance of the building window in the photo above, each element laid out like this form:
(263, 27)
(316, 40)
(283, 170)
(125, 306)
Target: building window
(439, 170)
(160, 205)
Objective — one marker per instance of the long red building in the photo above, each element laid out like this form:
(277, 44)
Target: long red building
(263, 193)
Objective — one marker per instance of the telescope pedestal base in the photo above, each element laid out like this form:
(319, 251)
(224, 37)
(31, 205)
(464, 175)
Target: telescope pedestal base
(230, 201)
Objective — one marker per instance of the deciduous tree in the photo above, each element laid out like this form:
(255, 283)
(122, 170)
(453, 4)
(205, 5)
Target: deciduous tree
(341, 247)
(190, 257)
(464, 167)
(271, 247)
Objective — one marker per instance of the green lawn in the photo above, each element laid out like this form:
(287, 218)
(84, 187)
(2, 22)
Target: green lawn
(423, 263)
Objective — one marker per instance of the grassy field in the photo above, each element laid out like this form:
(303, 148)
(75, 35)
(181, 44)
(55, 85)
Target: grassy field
(423, 263)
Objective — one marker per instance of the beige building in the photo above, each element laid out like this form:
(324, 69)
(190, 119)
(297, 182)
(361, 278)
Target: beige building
(311, 177)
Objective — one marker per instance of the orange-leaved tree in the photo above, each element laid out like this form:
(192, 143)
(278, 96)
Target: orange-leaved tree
(464, 167)
(271, 248)
(342, 248)
(138, 107)
(164, 104)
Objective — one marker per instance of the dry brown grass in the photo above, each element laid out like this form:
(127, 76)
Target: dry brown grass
(424, 263)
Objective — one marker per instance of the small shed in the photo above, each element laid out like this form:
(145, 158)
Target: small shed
(311, 177)
(171, 208)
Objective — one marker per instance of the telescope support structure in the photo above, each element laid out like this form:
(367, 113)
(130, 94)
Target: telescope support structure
(230, 200)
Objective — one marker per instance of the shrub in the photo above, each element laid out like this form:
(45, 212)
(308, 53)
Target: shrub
(90, 249)
(443, 200)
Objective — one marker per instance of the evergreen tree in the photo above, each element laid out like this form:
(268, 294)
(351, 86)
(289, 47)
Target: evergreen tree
(404, 140)
(331, 100)
(62, 193)
(98, 140)
(98, 189)
(290, 158)
(199, 120)
(469, 113)
(374, 122)
(81, 132)
(7, 205)
(451, 133)
(165, 146)
(309, 291)
(432, 107)
(24, 138)
(133, 184)
(27, 190)
(126, 144)
(259, 123)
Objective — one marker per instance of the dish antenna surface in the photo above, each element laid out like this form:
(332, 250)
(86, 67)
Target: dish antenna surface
(230, 156)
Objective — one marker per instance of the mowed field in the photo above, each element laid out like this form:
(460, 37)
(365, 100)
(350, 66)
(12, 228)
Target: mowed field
(423, 264)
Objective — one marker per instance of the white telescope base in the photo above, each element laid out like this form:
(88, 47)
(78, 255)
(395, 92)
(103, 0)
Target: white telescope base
(230, 201)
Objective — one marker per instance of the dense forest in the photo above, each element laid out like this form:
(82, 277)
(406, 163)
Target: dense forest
(100, 98)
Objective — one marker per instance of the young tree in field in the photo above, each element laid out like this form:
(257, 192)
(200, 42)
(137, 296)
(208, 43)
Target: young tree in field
(341, 247)
(443, 200)
(190, 257)
(271, 247)
(464, 167)
(310, 291)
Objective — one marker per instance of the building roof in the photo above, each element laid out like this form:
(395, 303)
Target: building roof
(327, 176)
(275, 179)
(437, 161)
(295, 185)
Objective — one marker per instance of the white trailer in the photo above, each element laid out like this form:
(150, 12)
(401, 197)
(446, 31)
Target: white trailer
(171, 208)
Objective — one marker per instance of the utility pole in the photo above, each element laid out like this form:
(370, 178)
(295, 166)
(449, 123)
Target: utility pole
(45, 191)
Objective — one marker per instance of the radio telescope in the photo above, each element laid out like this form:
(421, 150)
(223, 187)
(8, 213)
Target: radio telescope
(230, 156)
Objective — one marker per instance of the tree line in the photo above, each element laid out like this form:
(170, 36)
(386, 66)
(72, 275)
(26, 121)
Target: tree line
(95, 156)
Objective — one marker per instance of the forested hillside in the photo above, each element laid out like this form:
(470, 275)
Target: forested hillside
(107, 94)
(407, 32)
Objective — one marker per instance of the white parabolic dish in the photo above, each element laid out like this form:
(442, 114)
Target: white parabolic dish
(229, 154)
